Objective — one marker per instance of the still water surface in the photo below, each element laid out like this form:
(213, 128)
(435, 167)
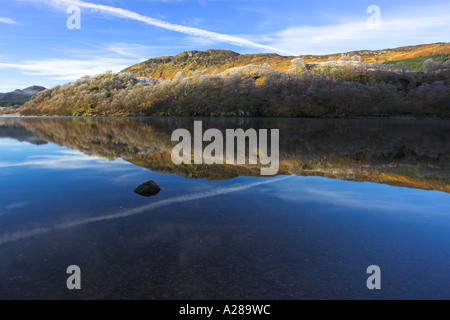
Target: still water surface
(349, 194)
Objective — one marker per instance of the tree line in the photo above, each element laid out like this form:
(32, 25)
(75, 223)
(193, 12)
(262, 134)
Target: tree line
(338, 88)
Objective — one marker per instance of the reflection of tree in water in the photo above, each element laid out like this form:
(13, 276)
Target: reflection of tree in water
(396, 152)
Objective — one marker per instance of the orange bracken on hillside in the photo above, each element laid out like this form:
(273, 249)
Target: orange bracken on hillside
(187, 62)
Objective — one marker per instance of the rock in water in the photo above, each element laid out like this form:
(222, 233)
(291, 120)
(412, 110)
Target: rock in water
(148, 189)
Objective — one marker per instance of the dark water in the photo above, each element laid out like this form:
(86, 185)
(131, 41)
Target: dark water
(349, 194)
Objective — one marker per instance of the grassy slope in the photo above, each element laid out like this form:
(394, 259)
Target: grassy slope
(416, 64)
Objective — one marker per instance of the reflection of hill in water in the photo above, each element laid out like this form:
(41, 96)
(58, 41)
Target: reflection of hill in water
(396, 152)
(16, 131)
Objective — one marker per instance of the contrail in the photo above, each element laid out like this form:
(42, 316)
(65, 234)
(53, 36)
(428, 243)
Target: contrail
(122, 13)
(21, 235)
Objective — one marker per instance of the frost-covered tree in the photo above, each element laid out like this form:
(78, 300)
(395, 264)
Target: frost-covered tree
(430, 66)
(297, 65)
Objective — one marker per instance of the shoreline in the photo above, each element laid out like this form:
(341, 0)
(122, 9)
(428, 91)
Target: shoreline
(231, 117)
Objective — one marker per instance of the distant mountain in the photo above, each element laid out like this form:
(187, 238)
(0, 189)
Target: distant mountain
(19, 96)
(188, 62)
(30, 91)
(33, 90)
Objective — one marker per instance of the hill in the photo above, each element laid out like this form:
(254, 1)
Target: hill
(339, 88)
(19, 96)
(225, 83)
(188, 62)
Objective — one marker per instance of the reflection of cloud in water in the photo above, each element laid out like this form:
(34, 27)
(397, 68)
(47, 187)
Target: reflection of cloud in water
(8, 208)
(64, 160)
(357, 198)
(8, 142)
(20, 235)
(127, 177)
(17, 205)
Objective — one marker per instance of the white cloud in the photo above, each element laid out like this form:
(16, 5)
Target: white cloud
(413, 26)
(122, 13)
(7, 87)
(8, 21)
(78, 63)
(113, 56)
(69, 69)
(198, 41)
(132, 50)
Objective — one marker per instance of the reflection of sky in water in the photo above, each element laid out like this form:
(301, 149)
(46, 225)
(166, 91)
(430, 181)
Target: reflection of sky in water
(364, 196)
(285, 237)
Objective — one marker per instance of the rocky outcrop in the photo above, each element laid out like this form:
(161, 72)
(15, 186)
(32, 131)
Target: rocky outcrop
(148, 189)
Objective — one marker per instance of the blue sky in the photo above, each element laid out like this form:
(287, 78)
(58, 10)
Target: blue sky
(36, 47)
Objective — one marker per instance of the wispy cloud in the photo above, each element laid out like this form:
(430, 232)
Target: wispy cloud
(414, 25)
(7, 86)
(96, 59)
(197, 32)
(113, 56)
(69, 69)
(8, 21)
(132, 50)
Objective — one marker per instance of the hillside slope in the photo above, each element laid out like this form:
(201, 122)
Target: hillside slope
(17, 94)
(187, 62)
(11, 101)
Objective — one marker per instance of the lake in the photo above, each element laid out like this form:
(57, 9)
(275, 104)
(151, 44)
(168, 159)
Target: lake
(349, 194)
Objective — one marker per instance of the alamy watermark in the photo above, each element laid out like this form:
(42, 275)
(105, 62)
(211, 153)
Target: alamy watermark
(374, 281)
(74, 281)
(235, 147)
(74, 20)
(374, 21)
